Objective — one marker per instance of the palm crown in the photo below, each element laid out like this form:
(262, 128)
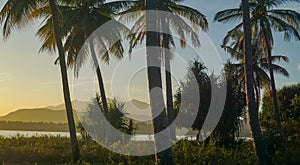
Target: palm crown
(265, 17)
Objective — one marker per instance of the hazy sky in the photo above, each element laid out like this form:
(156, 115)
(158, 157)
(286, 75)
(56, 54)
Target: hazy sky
(30, 79)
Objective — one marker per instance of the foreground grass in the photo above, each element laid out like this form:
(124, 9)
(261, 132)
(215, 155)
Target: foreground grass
(56, 150)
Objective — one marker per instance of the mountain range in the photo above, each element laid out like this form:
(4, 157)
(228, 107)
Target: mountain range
(56, 114)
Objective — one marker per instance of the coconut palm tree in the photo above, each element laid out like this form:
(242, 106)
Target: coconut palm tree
(90, 15)
(155, 82)
(16, 14)
(80, 20)
(197, 19)
(264, 17)
(260, 66)
(64, 75)
(142, 29)
(173, 20)
(261, 152)
(164, 40)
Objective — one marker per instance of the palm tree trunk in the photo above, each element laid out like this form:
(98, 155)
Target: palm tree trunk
(259, 145)
(160, 123)
(101, 86)
(64, 77)
(274, 95)
(170, 109)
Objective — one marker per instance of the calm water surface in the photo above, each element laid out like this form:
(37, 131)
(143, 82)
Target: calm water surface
(7, 133)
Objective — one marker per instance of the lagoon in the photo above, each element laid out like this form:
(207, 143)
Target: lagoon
(12, 133)
(138, 137)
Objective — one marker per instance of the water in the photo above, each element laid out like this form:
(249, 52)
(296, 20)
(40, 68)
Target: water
(8, 133)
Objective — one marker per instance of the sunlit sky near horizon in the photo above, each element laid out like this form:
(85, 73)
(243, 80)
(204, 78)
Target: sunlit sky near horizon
(29, 79)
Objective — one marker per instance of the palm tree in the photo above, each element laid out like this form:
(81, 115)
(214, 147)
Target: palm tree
(196, 18)
(174, 20)
(80, 20)
(165, 40)
(264, 18)
(16, 14)
(155, 82)
(141, 29)
(259, 144)
(260, 66)
(64, 76)
(88, 17)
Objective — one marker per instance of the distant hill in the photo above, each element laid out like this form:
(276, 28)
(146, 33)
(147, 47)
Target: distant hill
(80, 105)
(57, 114)
(50, 118)
(138, 110)
(37, 115)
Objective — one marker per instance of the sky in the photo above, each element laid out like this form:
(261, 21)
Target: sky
(29, 79)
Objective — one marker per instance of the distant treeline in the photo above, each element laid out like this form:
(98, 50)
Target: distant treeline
(142, 127)
(33, 126)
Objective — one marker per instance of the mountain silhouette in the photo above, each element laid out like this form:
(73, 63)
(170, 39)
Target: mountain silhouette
(57, 114)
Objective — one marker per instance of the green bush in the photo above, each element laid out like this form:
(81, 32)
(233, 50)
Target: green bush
(192, 152)
(57, 150)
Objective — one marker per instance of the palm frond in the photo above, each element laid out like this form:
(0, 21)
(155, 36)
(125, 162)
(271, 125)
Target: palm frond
(276, 68)
(276, 58)
(228, 15)
(236, 31)
(262, 76)
(275, 3)
(288, 30)
(192, 15)
(181, 28)
(290, 16)
(116, 6)
(233, 52)
(47, 34)
(16, 14)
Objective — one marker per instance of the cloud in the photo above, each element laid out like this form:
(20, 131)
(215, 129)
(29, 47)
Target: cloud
(298, 66)
(5, 77)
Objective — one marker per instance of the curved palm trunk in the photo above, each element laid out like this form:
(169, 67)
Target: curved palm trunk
(167, 53)
(64, 77)
(101, 86)
(255, 130)
(274, 95)
(155, 87)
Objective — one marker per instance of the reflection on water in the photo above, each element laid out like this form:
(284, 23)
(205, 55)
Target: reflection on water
(8, 133)
(5, 133)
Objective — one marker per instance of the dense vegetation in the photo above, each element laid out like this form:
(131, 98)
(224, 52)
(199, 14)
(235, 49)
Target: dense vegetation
(56, 150)
(289, 108)
(33, 126)
(233, 114)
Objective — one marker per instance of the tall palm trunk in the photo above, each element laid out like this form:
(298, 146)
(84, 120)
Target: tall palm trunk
(258, 144)
(167, 53)
(274, 95)
(101, 86)
(64, 77)
(155, 87)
